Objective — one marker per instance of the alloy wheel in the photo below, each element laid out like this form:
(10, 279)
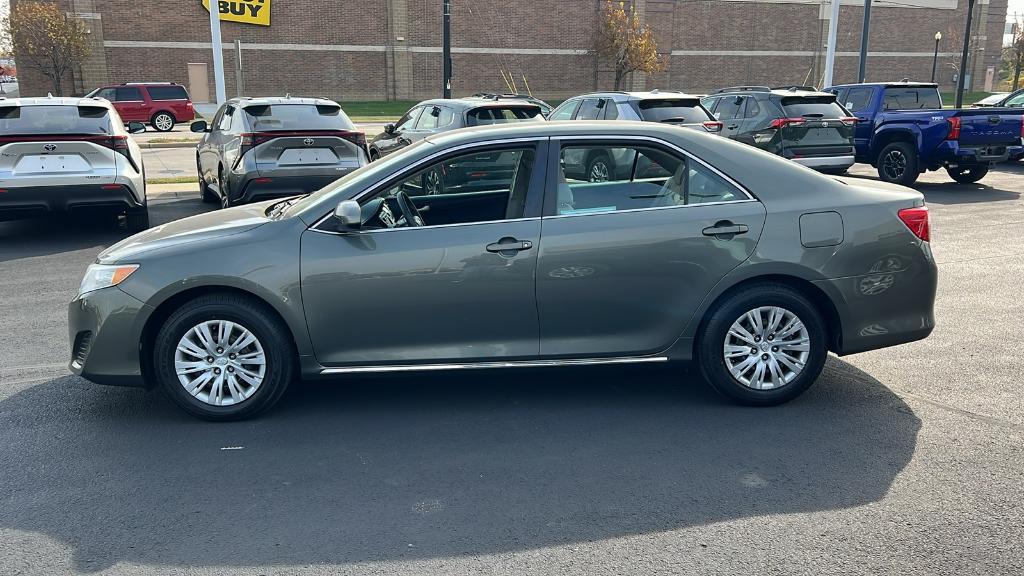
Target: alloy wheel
(163, 122)
(599, 171)
(432, 183)
(894, 164)
(766, 348)
(220, 363)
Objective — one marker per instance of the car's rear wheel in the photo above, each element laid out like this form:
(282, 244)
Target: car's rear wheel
(137, 221)
(898, 164)
(162, 122)
(204, 189)
(763, 345)
(967, 175)
(225, 190)
(599, 169)
(223, 357)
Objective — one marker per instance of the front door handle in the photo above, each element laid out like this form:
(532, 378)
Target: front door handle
(509, 246)
(725, 230)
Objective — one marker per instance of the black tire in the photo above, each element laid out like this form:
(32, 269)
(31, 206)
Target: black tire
(254, 316)
(835, 171)
(712, 339)
(898, 164)
(137, 221)
(374, 155)
(225, 190)
(162, 119)
(597, 160)
(433, 182)
(967, 175)
(204, 189)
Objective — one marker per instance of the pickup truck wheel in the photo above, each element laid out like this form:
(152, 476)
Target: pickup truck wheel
(967, 175)
(898, 164)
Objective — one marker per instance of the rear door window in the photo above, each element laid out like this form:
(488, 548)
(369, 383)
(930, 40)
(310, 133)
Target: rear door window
(167, 93)
(729, 107)
(298, 117)
(858, 98)
(128, 94)
(813, 106)
(912, 99)
(503, 115)
(28, 120)
(611, 110)
(435, 117)
(686, 111)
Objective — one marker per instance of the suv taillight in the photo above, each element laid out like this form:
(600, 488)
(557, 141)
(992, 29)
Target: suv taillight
(118, 144)
(916, 219)
(954, 128)
(713, 126)
(783, 122)
(849, 120)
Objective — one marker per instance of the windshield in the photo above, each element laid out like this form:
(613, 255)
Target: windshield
(23, 120)
(503, 115)
(298, 117)
(678, 110)
(816, 106)
(357, 179)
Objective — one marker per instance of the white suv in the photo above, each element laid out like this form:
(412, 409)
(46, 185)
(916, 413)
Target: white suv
(67, 154)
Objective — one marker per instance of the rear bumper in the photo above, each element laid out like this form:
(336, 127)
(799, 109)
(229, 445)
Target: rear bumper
(951, 153)
(826, 162)
(104, 328)
(253, 188)
(28, 201)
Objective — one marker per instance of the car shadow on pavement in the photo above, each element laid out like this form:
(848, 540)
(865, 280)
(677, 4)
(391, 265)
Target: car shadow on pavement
(434, 466)
(67, 233)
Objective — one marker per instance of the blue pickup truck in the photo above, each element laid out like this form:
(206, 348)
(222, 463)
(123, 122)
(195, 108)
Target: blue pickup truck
(902, 130)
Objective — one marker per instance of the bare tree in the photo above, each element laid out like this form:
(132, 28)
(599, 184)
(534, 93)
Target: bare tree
(626, 41)
(46, 39)
(1013, 56)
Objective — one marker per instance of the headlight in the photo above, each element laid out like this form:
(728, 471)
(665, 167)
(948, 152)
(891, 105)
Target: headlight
(105, 275)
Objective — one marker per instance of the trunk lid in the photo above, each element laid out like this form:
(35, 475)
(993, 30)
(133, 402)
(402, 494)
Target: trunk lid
(814, 126)
(308, 152)
(989, 127)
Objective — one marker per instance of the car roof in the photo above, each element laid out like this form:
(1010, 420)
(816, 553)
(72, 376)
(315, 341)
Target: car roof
(805, 91)
(623, 96)
(901, 84)
(288, 99)
(476, 102)
(57, 101)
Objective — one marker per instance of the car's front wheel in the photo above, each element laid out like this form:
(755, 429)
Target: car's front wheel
(599, 169)
(967, 175)
(223, 357)
(763, 345)
(162, 122)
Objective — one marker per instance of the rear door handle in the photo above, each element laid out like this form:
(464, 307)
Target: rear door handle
(509, 245)
(733, 126)
(725, 229)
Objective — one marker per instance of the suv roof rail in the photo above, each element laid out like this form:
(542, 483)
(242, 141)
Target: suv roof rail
(660, 90)
(744, 89)
(149, 84)
(796, 87)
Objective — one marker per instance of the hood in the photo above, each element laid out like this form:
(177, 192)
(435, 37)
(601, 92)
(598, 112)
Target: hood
(188, 230)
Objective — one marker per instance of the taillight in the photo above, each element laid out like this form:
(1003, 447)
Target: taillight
(713, 126)
(783, 122)
(917, 220)
(849, 120)
(954, 128)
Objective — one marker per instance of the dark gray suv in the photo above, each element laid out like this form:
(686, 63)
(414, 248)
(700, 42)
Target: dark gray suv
(260, 148)
(708, 250)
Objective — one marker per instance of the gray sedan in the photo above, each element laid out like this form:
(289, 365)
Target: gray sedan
(705, 250)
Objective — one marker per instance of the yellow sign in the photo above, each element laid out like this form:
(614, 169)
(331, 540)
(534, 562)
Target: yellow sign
(244, 11)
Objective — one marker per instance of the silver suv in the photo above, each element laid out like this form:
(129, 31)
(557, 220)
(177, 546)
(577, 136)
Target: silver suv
(68, 154)
(260, 148)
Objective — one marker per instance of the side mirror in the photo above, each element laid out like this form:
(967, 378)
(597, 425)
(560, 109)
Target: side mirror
(389, 128)
(348, 216)
(136, 127)
(199, 126)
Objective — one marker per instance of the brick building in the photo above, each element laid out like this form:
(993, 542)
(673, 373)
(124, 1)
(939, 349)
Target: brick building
(375, 49)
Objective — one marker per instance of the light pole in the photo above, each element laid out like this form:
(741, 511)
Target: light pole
(935, 60)
(961, 77)
(218, 52)
(864, 42)
(446, 50)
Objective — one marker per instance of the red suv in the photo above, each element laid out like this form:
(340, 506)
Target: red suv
(161, 104)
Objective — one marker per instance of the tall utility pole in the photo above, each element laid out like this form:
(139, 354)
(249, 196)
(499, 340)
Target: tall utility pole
(218, 52)
(446, 51)
(830, 52)
(963, 57)
(864, 42)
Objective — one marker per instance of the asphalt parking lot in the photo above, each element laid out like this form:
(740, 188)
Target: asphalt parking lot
(901, 461)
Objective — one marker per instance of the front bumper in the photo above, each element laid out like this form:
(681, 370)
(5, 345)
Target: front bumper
(105, 330)
(26, 201)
